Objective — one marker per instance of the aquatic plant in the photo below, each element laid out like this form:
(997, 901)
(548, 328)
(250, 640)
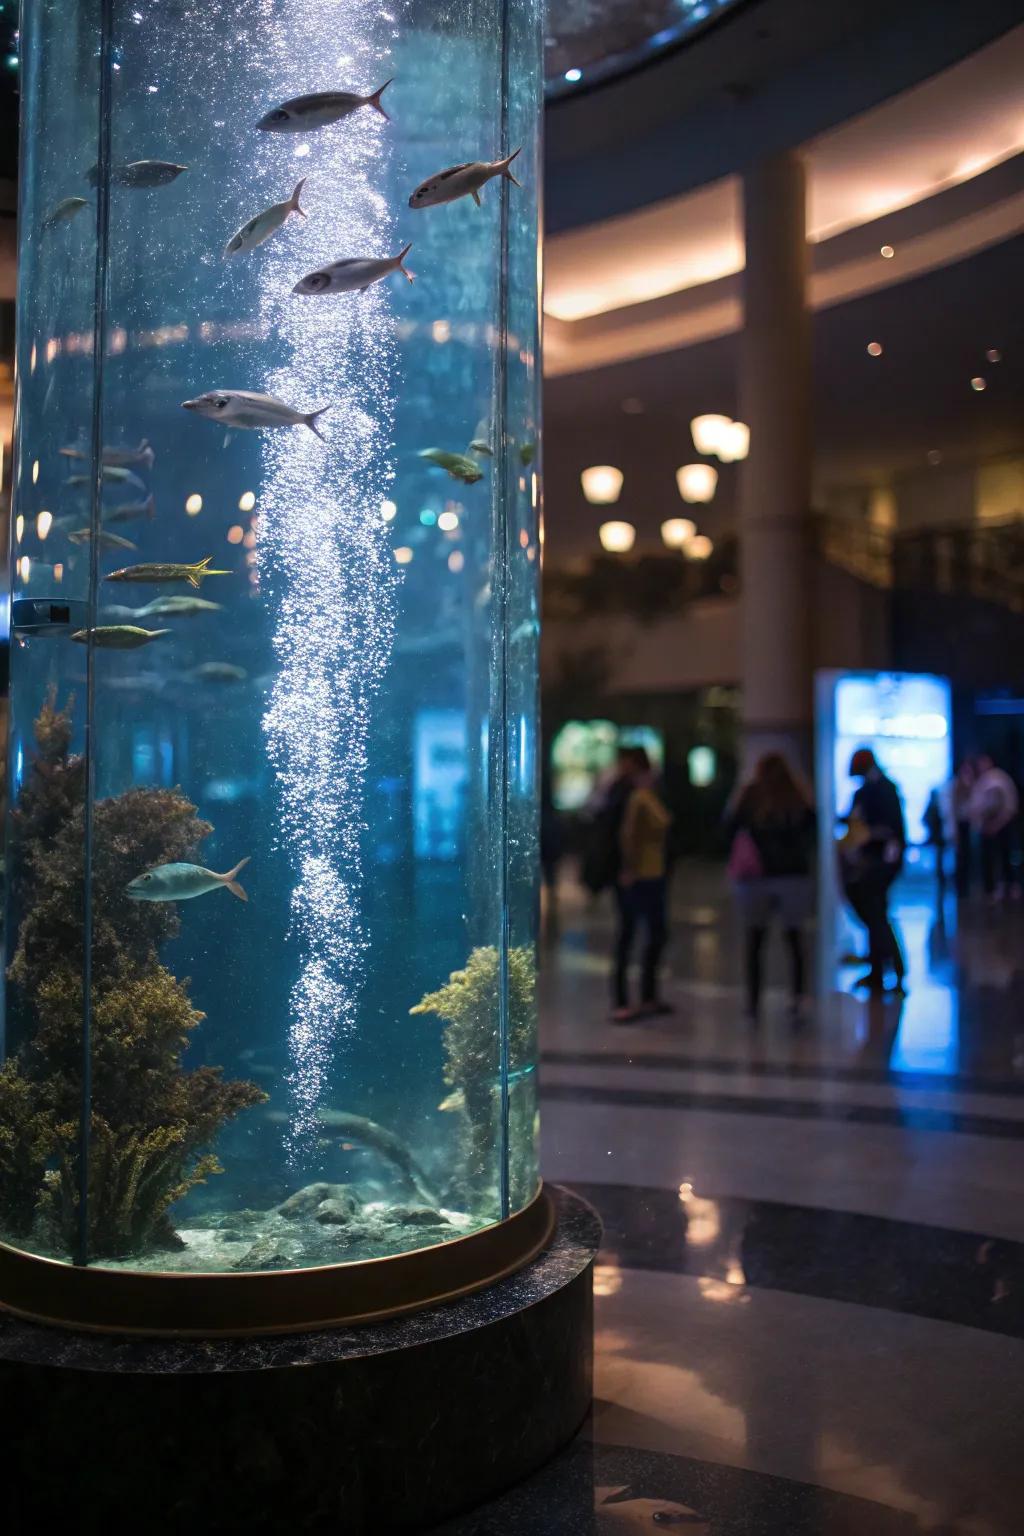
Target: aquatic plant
(469, 1004)
(152, 1121)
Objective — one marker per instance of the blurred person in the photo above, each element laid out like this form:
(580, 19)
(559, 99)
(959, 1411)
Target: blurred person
(641, 889)
(992, 810)
(772, 825)
(871, 857)
(961, 789)
(941, 828)
(602, 855)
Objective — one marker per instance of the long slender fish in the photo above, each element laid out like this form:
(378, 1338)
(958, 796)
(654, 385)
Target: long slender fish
(462, 181)
(117, 457)
(171, 571)
(353, 274)
(183, 606)
(302, 113)
(115, 473)
(142, 174)
(64, 211)
(131, 511)
(103, 539)
(265, 224)
(119, 637)
(244, 409)
(388, 1145)
(182, 882)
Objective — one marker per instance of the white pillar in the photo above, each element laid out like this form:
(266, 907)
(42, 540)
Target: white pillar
(774, 391)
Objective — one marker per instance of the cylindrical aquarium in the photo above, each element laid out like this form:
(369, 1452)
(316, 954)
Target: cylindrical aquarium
(270, 822)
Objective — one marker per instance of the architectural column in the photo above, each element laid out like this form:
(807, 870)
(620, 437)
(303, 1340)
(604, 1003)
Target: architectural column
(774, 390)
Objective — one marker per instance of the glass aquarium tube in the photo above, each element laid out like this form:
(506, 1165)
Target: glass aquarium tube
(271, 837)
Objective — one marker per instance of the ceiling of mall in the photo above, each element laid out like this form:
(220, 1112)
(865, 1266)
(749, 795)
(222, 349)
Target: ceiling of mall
(589, 40)
(943, 132)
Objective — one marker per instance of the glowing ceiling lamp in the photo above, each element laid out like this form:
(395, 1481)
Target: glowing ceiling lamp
(601, 484)
(700, 547)
(707, 432)
(44, 522)
(617, 538)
(697, 482)
(735, 442)
(677, 531)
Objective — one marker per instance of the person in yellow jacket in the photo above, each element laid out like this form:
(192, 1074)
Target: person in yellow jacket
(641, 891)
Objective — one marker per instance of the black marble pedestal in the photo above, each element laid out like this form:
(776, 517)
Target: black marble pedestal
(385, 1427)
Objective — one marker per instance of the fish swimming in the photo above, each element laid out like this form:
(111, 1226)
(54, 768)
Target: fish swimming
(353, 273)
(64, 211)
(115, 473)
(303, 113)
(183, 607)
(116, 458)
(459, 465)
(103, 539)
(118, 637)
(165, 607)
(217, 672)
(130, 511)
(243, 409)
(181, 882)
(118, 614)
(462, 181)
(172, 571)
(356, 1128)
(265, 224)
(527, 454)
(478, 446)
(454, 1102)
(141, 174)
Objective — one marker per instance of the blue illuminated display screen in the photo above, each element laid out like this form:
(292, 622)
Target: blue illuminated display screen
(906, 720)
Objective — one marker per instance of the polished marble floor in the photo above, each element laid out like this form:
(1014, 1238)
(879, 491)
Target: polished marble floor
(810, 1300)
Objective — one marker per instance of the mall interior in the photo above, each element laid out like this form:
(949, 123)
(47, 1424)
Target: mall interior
(782, 517)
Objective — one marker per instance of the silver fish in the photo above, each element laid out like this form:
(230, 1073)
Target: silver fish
(459, 465)
(182, 882)
(265, 224)
(118, 614)
(353, 273)
(104, 540)
(462, 181)
(64, 211)
(115, 473)
(140, 174)
(217, 672)
(118, 637)
(166, 607)
(117, 457)
(302, 113)
(244, 409)
(131, 511)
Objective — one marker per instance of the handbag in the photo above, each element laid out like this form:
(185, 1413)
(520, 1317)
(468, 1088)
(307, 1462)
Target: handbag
(744, 859)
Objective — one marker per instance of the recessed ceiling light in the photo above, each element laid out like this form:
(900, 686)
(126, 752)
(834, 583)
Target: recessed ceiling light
(934, 456)
(888, 252)
(978, 383)
(874, 349)
(993, 355)
(573, 75)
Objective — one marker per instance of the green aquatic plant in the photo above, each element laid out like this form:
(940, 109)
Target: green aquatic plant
(469, 1004)
(152, 1122)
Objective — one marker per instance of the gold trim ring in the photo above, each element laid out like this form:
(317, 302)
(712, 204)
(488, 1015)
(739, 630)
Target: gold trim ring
(277, 1301)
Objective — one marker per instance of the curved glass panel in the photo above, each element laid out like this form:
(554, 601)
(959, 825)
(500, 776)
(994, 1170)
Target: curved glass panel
(271, 845)
(591, 40)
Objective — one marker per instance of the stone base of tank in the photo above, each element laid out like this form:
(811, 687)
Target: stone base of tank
(389, 1426)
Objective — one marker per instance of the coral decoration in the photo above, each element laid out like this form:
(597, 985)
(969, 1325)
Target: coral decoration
(152, 1122)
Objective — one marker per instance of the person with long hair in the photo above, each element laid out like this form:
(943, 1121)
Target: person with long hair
(771, 867)
(640, 890)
